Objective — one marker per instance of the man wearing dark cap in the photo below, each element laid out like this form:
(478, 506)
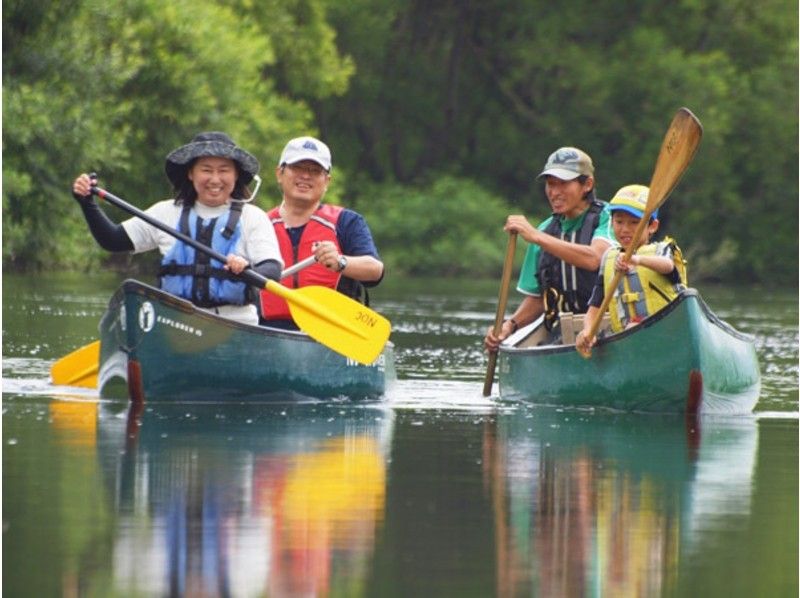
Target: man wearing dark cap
(339, 238)
(210, 175)
(565, 250)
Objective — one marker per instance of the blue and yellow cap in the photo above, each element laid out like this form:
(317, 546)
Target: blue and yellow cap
(632, 199)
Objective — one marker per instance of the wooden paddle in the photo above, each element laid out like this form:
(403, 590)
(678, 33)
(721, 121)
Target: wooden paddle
(80, 367)
(677, 150)
(502, 298)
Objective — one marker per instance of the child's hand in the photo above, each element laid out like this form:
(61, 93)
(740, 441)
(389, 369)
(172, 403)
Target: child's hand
(624, 266)
(584, 344)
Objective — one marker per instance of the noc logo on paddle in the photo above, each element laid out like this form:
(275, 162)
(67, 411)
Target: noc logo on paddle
(366, 318)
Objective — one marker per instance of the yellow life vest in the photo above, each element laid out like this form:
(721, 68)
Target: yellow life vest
(643, 292)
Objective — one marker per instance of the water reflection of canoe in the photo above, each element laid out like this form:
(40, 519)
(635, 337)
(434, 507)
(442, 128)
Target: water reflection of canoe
(617, 503)
(244, 500)
(157, 347)
(682, 359)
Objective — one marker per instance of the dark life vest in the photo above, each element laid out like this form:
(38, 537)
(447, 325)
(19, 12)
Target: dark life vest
(574, 285)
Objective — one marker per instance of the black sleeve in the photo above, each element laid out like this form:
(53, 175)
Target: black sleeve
(598, 291)
(110, 236)
(269, 269)
(674, 277)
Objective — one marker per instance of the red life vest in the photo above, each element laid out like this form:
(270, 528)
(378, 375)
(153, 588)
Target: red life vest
(321, 227)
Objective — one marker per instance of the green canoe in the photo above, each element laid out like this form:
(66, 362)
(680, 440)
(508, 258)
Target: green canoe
(157, 347)
(683, 359)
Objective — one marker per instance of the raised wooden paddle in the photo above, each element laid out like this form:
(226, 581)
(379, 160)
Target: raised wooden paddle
(502, 299)
(80, 367)
(677, 150)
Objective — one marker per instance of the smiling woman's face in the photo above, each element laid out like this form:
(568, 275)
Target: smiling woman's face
(213, 179)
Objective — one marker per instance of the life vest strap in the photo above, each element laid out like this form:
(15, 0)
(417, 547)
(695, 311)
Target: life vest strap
(631, 297)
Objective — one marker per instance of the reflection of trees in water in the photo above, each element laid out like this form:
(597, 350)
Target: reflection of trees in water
(437, 537)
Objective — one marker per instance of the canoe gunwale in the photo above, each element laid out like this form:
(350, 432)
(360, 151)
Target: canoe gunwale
(684, 295)
(687, 360)
(134, 286)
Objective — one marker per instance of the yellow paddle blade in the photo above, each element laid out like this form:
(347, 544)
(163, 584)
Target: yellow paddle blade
(79, 368)
(336, 321)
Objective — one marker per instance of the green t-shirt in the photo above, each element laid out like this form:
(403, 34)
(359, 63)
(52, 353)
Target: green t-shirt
(528, 283)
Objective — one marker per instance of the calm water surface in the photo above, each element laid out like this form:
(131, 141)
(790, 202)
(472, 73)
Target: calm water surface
(435, 491)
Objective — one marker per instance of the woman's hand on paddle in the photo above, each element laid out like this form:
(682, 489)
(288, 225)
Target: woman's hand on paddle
(236, 263)
(82, 187)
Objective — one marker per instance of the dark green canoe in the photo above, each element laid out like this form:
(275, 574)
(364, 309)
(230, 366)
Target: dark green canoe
(683, 359)
(157, 347)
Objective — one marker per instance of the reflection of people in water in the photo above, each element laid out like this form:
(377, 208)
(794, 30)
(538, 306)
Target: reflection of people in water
(196, 543)
(563, 519)
(323, 507)
(295, 515)
(571, 522)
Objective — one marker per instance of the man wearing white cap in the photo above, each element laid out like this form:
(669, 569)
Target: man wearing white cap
(339, 238)
(565, 250)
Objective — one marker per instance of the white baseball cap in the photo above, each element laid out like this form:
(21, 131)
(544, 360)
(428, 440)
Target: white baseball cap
(306, 148)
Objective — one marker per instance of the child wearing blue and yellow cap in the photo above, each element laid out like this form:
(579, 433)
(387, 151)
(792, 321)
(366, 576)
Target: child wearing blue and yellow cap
(652, 278)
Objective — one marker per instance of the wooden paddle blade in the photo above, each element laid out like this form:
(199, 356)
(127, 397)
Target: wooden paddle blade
(79, 368)
(336, 321)
(677, 151)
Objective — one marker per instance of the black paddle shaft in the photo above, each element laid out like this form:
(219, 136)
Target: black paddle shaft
(248, 274)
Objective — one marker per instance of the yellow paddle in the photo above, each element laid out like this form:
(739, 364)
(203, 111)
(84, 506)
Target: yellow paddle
(502, 298)
(677, 150)
(79, 368)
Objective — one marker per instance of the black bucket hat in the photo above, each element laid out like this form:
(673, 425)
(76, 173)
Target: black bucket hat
(214, 144)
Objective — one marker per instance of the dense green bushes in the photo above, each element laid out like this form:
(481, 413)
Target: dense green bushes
(449, 227)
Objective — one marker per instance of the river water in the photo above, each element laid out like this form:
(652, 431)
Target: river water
(434, 491)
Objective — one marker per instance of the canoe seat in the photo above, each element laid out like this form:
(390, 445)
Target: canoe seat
(565, 331)
(571, 324)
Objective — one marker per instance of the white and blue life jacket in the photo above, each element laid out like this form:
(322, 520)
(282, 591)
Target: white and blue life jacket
(194, 275)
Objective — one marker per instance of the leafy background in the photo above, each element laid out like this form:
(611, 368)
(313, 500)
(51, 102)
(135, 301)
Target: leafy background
(439, 115)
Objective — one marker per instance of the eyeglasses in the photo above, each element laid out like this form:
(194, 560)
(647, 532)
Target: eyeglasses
(313, 170)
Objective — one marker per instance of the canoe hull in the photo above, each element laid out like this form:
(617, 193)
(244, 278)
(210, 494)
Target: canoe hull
(156, 347)
(683, 359)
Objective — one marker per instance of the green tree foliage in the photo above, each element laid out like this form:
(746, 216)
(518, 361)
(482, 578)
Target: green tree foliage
(488, 89)
(115, 86)
(450, 227)
(407, 92)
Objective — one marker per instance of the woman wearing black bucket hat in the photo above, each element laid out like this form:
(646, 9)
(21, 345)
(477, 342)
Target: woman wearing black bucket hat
(210, 175)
